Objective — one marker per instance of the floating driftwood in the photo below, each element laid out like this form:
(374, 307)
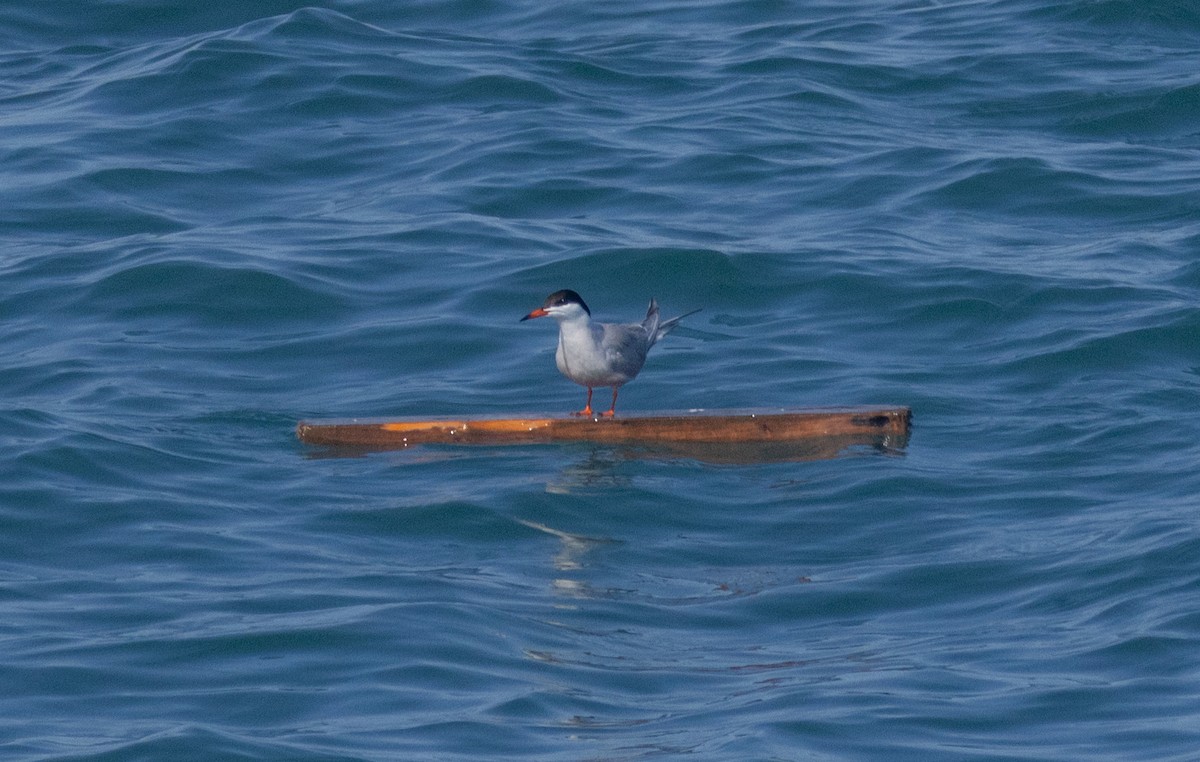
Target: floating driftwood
(709, 435)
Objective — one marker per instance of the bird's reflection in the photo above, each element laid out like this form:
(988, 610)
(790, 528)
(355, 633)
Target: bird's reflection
(573, 547)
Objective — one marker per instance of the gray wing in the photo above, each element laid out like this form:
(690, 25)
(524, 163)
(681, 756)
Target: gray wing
(625, 347)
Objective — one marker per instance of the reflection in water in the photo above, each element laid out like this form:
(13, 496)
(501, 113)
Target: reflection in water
(793, 451)
(572, 550)
(598, 470)
(569, 558)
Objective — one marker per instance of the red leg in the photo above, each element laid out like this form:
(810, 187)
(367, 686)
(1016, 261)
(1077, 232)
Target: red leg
(612, 410)
(587, 409)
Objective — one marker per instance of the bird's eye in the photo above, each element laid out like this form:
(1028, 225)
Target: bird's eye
(560, 302)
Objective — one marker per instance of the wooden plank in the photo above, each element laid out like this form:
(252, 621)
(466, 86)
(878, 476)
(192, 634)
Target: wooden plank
(700, 430)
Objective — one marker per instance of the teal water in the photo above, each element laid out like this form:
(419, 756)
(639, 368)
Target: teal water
(220, 219)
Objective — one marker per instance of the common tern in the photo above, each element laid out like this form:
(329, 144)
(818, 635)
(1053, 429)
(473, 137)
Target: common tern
(600, 354)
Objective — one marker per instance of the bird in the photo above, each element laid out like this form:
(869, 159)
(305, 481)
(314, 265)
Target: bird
(596, 354)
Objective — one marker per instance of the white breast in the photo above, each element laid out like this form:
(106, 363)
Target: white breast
(599, 355)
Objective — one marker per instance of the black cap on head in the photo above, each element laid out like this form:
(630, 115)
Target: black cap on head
(566, 296)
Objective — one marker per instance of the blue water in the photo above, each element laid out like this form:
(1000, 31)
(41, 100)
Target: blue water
(217, 219)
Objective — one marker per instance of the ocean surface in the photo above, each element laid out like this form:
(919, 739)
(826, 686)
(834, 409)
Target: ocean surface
(219, 219)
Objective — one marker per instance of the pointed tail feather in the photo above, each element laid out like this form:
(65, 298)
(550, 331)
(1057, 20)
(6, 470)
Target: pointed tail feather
(661, 328)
